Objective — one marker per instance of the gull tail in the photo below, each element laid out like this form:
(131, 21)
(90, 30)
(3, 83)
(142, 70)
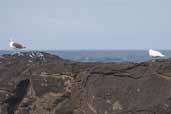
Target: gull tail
(163, 55)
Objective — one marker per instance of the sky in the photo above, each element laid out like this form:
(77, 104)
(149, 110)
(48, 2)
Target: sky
(86, 24)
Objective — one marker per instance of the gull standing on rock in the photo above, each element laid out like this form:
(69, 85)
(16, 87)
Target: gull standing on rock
(15, 45)
(155, 54)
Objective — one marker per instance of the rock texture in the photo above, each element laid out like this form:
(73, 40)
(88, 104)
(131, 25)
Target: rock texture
(35, 83)
(41, 83)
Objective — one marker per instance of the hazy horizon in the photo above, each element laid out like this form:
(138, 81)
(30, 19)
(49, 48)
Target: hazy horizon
(38, 49)
(86, 25)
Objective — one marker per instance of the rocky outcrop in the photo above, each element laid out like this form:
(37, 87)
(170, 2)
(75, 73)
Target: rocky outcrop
(41, 83)
(124, 88)
(35, 83)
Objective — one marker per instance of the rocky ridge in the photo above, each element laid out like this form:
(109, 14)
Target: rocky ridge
(41, 83)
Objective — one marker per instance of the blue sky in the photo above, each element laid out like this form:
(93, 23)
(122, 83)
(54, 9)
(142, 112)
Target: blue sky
(86, 24)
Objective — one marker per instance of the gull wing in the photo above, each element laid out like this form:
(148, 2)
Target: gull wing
(17, 45)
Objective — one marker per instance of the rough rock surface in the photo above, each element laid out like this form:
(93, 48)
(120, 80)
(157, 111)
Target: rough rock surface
(35, 83)
(41, 83)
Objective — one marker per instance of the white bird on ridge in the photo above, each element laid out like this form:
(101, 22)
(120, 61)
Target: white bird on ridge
(155, 54)
(16, 45)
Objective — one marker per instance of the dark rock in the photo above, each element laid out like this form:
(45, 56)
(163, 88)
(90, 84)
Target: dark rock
(124, 88)
(41, 83)
(20, 92)
(35, 83)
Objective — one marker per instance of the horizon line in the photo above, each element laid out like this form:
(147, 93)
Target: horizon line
(83, 49)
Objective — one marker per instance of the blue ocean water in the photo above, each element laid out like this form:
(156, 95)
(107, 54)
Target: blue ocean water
(102, 55)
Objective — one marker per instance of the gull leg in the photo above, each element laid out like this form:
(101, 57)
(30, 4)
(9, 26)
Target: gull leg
(14, 52)
(18, 52)
(153, 59)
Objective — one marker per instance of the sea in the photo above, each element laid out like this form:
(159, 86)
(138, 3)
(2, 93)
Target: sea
(101, 55)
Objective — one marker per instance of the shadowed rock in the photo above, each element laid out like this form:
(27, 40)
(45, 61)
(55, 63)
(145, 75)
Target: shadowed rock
(19, 94)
